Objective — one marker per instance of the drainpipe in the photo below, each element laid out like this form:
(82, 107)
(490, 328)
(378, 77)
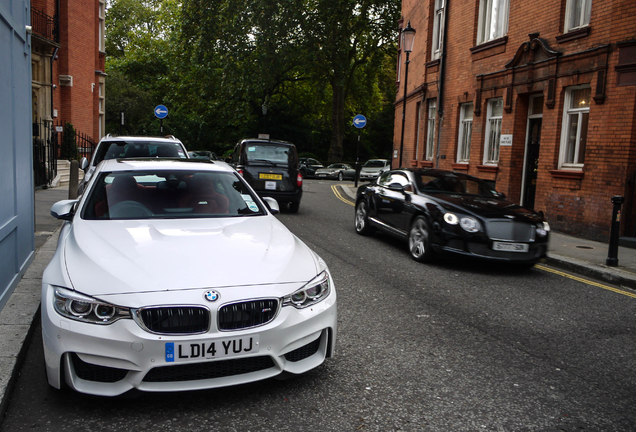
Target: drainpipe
(440, 79)
(53, 86)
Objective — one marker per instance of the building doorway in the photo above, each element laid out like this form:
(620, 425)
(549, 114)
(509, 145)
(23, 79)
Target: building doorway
(533, 144)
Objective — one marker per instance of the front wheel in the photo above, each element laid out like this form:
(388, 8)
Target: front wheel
(419, 240)
(340, 176)
(362, 219)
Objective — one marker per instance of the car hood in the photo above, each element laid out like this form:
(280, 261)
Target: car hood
(372, 169)
(486, 207)
(116, 257)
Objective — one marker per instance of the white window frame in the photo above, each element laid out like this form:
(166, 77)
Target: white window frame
(417, 130)
(102, 25)
(438, 29)
(493, 133)
(465, 133)
(582, 9)
(430, 133)
(493, 20)
(564, 159)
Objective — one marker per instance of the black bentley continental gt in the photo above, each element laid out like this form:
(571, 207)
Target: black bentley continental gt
(447, 213)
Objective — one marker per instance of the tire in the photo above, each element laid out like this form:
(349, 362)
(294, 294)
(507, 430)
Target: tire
(293, 207)
(361, 220)
(340, 176)
(420, 240)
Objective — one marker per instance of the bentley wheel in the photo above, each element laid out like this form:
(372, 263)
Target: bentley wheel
(419, 240)
(362, 219)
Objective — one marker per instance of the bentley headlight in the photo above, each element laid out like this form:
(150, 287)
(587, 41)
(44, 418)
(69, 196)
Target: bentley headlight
(78, 307)
(451, 219)
(313, 292)
(543, 228)
(469, 224)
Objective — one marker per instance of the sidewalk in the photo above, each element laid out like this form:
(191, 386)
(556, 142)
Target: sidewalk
(20, 316)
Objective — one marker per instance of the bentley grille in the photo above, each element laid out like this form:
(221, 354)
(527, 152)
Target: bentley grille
(510, 231)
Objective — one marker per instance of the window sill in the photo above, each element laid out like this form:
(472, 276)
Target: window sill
(490, 48)
(567, 174)
(460, 166)
(426, 164)
(488, 168)
(433, 63)
(573, 35)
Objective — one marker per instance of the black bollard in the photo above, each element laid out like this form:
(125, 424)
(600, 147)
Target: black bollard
(612, 254)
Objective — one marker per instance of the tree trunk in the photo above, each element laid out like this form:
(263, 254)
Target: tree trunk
(337, 123)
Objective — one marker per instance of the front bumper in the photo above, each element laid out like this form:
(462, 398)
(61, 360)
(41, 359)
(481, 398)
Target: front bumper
(109, 360)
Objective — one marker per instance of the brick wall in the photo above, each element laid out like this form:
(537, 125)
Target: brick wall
(514, 68)
(78, 57)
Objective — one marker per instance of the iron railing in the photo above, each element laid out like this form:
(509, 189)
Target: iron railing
(45, 25)
(45, 150)
(47, 139)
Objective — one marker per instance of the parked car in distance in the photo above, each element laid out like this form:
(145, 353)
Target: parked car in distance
(447, 213)
(373, 168)
(337, 171)
(171, 275)
(126, 147)
(271, 168)
(202, 154)
(308, 166)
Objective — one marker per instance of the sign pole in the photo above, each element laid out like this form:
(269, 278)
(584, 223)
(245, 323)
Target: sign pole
(359, 122)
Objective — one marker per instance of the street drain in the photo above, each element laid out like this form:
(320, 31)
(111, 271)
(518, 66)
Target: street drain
(585, 247)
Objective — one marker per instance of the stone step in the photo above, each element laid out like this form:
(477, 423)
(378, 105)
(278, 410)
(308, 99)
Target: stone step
(64, 174)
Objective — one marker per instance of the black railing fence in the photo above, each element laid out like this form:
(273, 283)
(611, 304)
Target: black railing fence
(45, 25)
(47, 137)
(45, 149)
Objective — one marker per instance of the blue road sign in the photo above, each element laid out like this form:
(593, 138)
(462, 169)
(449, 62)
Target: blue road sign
(161, 111)
(359, 121)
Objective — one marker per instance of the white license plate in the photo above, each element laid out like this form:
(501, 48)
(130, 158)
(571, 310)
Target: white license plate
(211, 349)
(510, 247)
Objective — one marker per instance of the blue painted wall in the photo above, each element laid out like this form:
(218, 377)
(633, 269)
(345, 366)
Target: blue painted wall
(16, 149)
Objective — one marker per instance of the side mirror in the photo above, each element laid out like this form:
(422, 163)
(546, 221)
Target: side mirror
(64, 209)
(272, 205)
(83, 164)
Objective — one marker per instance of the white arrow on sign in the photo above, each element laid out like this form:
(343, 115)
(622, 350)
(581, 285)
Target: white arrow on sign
(359, 121)
(160, 111)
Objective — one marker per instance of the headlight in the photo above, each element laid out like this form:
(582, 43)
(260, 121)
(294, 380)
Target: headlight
(543, 228)
(313, 292)
(451, 219)
(79, 307)
(469, 224)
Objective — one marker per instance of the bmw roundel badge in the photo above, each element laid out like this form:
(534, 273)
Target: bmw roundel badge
(211, 295)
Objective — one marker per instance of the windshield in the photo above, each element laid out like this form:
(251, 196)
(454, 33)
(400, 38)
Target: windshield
(136, 149)
(454, 183)
(269, 153)
(174, 194)
(375, 164)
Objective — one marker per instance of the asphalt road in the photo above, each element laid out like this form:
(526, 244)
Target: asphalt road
(447, 346)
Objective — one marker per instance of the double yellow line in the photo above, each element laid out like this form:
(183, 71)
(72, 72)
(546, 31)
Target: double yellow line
(341, 197)
(346, 200)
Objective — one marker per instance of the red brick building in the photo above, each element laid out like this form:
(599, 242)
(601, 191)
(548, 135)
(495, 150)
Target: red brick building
(68, 63)
(538, 98)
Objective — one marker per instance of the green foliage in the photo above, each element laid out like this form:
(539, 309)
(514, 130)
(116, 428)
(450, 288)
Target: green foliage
(68, 148)
(314, 64)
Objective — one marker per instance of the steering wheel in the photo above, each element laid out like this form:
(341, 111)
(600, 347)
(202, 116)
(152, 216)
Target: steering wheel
(129, 210)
